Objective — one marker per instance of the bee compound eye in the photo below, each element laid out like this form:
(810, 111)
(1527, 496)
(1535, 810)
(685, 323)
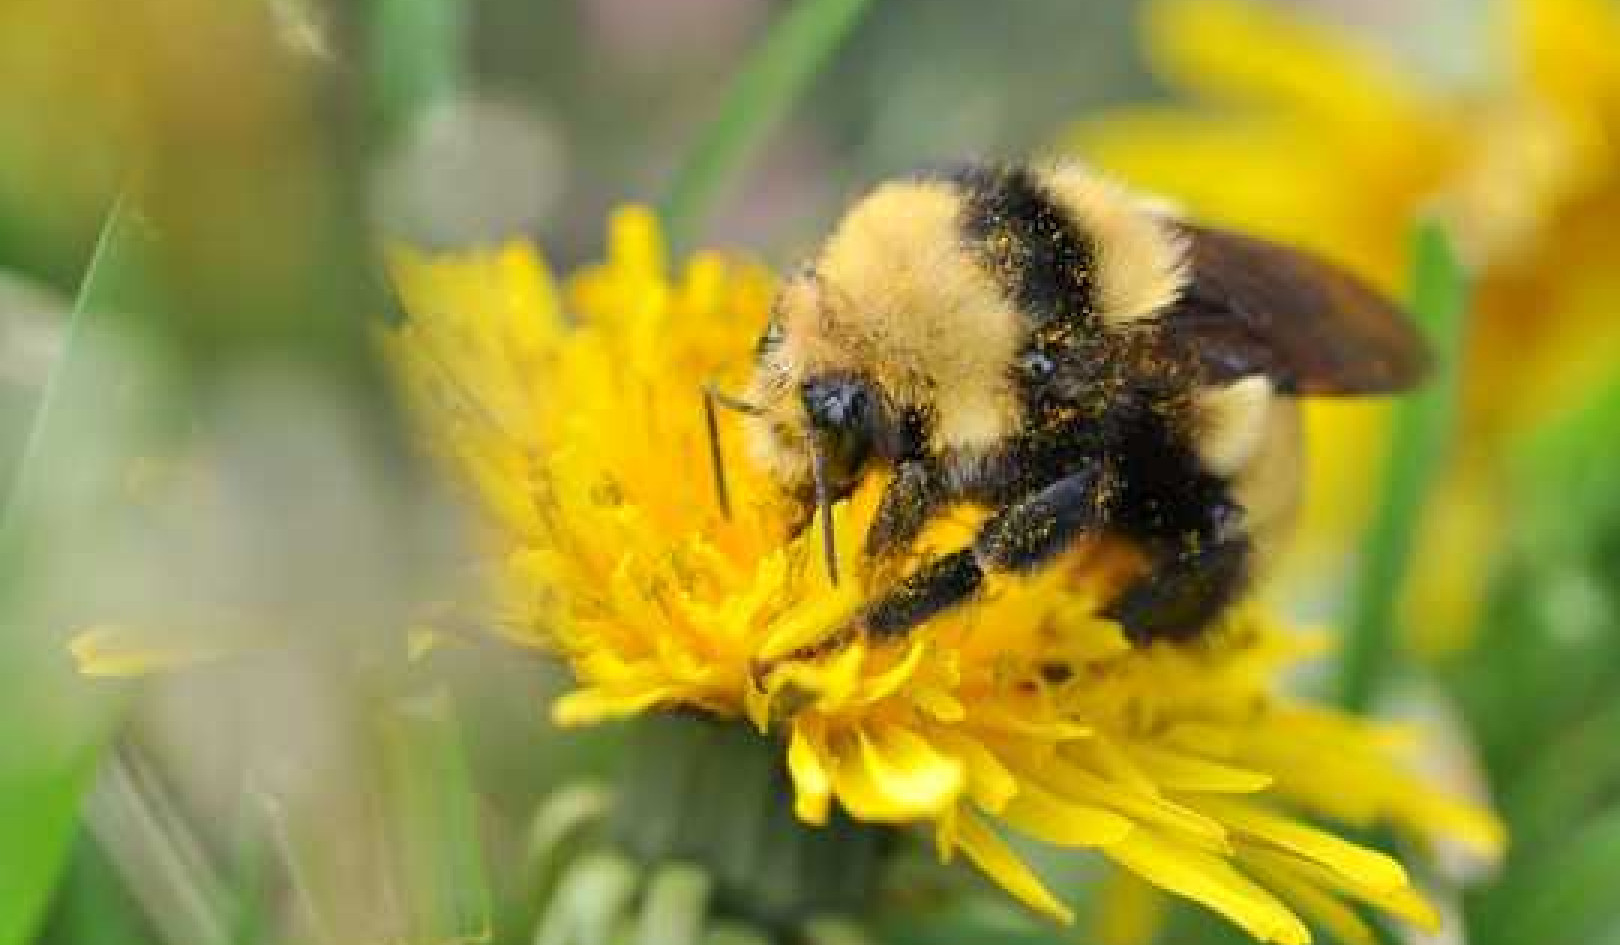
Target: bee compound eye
(833, 404)
(1036, 365)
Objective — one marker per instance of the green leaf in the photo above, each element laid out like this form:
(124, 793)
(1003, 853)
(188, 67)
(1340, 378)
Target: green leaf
(770, 82)
(593, 902)
(53, 725)
(1418, 448)
(675, 907)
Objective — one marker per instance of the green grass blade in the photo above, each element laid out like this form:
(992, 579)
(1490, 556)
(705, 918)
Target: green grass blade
(1578, 766)
(50, 737)
(416, 49)
(1418, 447)
(93, 906)
(433, 822)
(93, 297)
(165, 865)
(1567, 895)
(39, 804)
(770, 82)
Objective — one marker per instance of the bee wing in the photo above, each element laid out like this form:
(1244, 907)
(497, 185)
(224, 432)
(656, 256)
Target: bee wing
(1253, 307)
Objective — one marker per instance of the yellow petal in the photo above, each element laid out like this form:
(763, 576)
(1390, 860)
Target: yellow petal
(1402, 901)
(1045, 816)
(889, 681)
(1180, 771)
(1019, 720)
(636, 243)
(809, 624)
(421, 641)
(947, 833)
(893, 775)
(591, 706)
(115, 651)
(1369, 866)
(1212, 881)
(1340, 921)
(1434, 816)
(1208, 46)
(992, 855)
(1261, 185)
(812, 787)
(989, 782)
(1567, 48)
(1112, 764)
(938, 703)
(757, 704)
(838, 677)
(906, 767)
(1072, 781)
(1130, 910)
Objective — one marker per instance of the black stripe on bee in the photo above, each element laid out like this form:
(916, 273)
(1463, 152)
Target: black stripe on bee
(1030, 242)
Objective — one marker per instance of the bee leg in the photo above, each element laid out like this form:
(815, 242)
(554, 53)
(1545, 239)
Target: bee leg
(1030, 532)
(936, 586)
(908, 501)
(1020, 537)
(1183, 593)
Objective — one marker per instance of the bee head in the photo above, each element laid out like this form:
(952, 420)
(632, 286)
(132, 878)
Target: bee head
(824, 442)
(843, 421)
(822, 409)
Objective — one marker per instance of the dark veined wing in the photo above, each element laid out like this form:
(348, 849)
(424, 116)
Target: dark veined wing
(1257, 307)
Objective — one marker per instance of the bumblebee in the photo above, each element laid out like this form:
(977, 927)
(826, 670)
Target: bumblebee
(1080, 364)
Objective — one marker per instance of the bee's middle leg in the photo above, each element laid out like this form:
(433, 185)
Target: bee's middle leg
(1019, 537)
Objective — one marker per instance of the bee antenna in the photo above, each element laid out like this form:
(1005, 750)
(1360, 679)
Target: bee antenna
(712, 397)
(729, 402)
(829, 544)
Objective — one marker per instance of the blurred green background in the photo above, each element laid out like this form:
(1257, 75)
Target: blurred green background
(196, 434)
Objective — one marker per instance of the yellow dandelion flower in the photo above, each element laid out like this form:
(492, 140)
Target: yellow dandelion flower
(1329, 143)
(573, 417)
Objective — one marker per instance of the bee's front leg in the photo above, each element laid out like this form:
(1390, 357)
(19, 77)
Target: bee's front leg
(1020, 537)
(909, 500)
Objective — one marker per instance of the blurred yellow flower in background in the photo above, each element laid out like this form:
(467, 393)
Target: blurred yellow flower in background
(573, 417)
(1307, 133)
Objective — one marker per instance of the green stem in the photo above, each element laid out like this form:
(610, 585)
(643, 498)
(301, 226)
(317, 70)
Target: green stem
(1418, 446)
(716, 794)
(770, 82)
